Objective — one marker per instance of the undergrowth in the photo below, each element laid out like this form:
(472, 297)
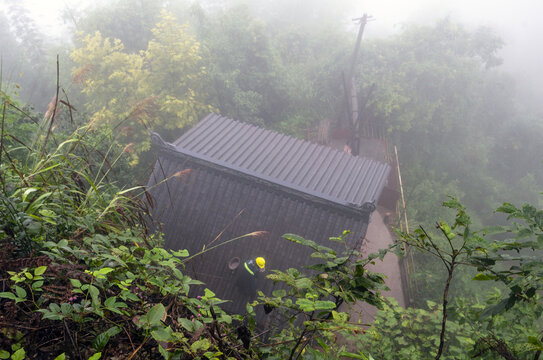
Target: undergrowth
(83, 277)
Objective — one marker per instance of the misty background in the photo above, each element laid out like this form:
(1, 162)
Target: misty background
(516, 22)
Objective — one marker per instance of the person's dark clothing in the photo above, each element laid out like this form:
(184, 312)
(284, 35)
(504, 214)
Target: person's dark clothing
(248, 278)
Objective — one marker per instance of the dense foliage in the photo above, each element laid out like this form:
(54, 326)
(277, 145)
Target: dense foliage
(159, 88)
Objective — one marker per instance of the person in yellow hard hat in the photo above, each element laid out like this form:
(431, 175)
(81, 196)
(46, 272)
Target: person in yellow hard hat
(249, 275)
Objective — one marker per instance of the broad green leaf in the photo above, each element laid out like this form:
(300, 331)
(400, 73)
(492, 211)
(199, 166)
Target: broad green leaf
(186, 323)
(162, 334)
(36, 285)
(202, 344)
(100, 341)
(8, 295)
(20, 292)
(249, 309)
(165, 354)
(54, 307)
(324, 305)
(208, 293)
(40, 270)
(155, 314)
(306, 304)
(61, 357)
(47, 213)
(75, 283)
(18, 355)
(295, 238)
(110, 301)
(350, 355)
(66, 308)
(226, 318)
(94, 293)
(304, 283)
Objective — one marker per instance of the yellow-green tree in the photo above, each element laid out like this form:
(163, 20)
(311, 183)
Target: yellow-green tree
(160, 88)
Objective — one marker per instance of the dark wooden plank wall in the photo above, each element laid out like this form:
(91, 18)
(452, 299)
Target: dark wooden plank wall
(205, 203)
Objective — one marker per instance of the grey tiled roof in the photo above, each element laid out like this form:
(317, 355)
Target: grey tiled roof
(300, 165)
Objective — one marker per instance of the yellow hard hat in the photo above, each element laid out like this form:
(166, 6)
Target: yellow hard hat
(260, 262)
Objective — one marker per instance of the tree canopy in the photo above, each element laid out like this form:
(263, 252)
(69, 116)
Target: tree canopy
(160, 88)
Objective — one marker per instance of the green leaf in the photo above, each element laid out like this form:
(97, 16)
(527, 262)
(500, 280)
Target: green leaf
(4, 354)
(324, 305)
(99, 274)
(36, 285)
(483, 277)
(19, 354)
(208, 293)
(20, 292)
(28, 192)
(94, 292)
(40, 270)
(165, 354)
(295, 238)
(103, 338)
(305, 304)
(249, 309)
(110, 301)
(181, 253)
(47, 213)
(66, 308)
(202, 344)
(8, 295)
(507, 208)
(353, 355)
(186, 323)
(162, 334)
(96, 356)
(226, 318)
(304, 283)
(61, 357)
(54, 307)
(100, 341)
(155, 314)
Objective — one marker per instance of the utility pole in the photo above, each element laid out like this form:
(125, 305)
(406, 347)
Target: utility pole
(350, 90)
(362, 22)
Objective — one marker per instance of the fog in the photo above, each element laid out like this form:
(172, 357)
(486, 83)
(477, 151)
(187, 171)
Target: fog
(517, 22)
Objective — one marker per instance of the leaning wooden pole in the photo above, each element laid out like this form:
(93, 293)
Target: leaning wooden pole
(408, 259)
(401, 190)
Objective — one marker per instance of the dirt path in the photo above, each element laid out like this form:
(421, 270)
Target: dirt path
(378, 237)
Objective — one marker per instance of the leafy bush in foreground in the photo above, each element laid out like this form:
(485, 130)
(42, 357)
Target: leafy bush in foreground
(81, 277)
